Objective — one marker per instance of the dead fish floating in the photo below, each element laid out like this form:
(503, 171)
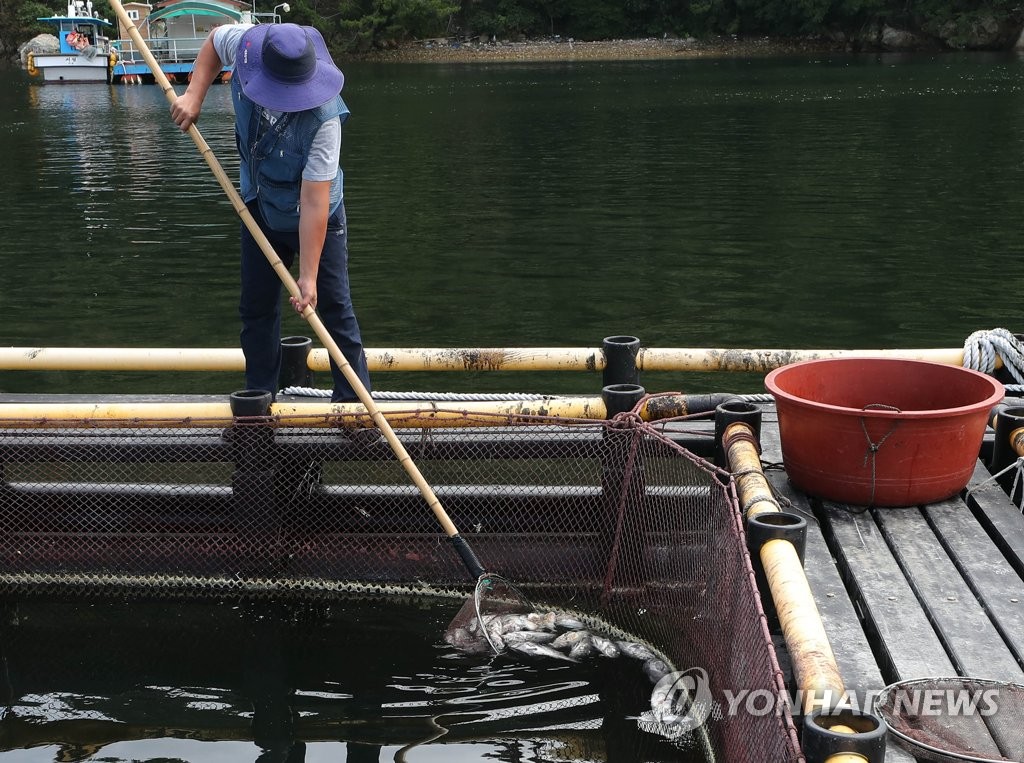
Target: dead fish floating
(551, 635)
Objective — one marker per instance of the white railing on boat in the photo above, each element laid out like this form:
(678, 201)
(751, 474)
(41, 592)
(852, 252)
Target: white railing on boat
(171, 50)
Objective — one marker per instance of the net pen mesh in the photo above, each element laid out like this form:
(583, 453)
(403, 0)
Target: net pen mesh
(611, 519)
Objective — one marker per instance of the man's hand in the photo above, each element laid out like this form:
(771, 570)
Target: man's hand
(185, 110)
(308, 288)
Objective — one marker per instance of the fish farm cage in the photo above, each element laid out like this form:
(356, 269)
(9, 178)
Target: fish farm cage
(611, 519)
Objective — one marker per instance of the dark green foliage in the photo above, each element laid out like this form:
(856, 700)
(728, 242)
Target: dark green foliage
(503, 18)
(361, 25)
(18, 22)
(964, 24)
(364, 24)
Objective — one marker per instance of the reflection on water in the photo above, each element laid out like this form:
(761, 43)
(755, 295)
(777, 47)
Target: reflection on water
(122, 681)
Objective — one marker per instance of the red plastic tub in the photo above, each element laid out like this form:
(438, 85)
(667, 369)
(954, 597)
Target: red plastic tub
(881, 431)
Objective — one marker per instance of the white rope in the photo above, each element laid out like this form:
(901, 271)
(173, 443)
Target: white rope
(447, 396)
(982, 348)
(1018, 467)
(457, 396)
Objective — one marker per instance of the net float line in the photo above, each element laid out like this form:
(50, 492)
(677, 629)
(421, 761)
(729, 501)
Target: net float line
(446, 359)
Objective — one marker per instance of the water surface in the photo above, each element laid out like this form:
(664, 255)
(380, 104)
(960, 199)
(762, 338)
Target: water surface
(829, 202)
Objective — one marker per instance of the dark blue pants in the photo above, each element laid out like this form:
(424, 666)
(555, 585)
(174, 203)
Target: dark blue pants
(260, 305)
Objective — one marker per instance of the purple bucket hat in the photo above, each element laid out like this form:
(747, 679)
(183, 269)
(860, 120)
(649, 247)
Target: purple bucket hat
(286, 67)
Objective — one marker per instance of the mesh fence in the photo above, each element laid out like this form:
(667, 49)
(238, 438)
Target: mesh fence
(610, 519)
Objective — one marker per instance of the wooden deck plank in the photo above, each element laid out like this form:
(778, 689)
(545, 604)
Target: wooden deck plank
(842, 623)
(984, 569)
(971, 639)
(906, 644)
(853, 653)
(839, 616)
(994, 510)
(923, 582)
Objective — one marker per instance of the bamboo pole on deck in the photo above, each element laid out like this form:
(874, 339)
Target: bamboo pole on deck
(1017, 441)
(445, 359)
(120, 359)
(814, 663)
(400, 414)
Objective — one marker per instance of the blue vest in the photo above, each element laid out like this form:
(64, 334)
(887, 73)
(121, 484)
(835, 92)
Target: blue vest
(271, 165)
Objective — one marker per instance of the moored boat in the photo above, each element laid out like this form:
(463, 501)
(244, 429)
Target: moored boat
(174, 32)
(84, 53)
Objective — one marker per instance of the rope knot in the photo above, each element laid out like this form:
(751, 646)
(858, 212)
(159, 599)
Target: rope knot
(983, 347)
(626, 420)
(871, 453)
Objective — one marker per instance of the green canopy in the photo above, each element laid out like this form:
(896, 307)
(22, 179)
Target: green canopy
(195, 8)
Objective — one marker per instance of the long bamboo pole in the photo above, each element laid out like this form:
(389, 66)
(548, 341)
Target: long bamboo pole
(467, 555)
(407, 359)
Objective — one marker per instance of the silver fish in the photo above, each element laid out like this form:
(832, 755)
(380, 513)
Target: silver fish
(656, 670)
(540, 650)
(568, 623)
(635, 650)
(494, 635)
(518, 637)
(604, 646)
(543, 620)
(581, 648)
(569, 638)
(511, 623)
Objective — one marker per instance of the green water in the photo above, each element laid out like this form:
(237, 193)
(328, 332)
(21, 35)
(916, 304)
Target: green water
(830, 202)
(351, 680)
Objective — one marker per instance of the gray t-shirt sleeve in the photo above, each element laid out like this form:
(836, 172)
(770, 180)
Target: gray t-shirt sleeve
(325, 153)
(226, 39)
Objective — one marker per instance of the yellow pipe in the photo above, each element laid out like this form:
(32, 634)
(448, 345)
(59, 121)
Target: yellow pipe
(119, 359)
(407, 415)
(475, 359)
(442, 359)
(762, 361)
(403, 414)
(814, 663)
(1017, 441)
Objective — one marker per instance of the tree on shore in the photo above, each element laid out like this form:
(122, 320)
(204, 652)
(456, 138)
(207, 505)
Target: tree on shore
(362, 25)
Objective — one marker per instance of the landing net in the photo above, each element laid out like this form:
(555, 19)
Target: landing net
(612, 521)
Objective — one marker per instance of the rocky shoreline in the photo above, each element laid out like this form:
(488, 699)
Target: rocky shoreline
(555, 50)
